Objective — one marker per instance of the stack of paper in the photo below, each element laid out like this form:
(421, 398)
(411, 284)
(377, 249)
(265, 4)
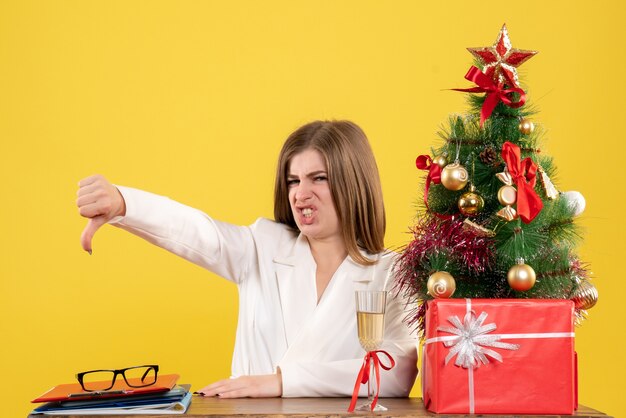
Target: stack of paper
(164, 397)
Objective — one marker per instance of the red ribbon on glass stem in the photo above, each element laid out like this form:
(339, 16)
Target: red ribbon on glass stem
(524, 174)
(495, 93)
(364, 375)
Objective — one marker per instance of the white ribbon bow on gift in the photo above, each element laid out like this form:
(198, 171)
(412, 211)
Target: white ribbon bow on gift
(472, 341)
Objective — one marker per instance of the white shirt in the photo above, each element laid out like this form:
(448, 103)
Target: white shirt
(281, 324)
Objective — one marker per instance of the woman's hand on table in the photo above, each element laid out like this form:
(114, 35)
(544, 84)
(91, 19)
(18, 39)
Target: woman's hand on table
(261, 386)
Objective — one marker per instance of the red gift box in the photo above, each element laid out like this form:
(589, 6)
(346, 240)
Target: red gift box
(499, 356)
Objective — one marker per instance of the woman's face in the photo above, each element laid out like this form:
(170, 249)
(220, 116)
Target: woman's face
(310, 198)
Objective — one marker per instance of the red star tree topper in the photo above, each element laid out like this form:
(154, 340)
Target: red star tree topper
(501, 60)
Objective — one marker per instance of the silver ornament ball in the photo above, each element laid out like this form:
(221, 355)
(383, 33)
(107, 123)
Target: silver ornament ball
(575, 201)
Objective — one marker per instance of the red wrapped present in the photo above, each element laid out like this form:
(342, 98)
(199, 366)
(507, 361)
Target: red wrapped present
(499, 356)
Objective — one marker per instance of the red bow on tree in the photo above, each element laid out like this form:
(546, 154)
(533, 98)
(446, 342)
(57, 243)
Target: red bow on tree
(495, 93)
(523, 173)
(424, 162)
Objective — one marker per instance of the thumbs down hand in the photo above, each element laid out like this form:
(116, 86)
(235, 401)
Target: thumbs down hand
(99, 201)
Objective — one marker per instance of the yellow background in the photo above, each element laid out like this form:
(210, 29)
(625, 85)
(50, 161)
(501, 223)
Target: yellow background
(194, 99)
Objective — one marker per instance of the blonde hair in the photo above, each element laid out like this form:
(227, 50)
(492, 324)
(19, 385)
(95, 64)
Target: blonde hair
(353, 179)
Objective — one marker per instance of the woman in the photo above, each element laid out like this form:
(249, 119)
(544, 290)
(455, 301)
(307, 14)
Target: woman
(296, 334)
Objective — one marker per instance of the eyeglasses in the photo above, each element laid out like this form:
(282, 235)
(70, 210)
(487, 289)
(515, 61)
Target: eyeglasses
(135, 377)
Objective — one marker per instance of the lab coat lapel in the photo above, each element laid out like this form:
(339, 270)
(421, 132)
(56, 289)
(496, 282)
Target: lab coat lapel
(334, 319)
(295, 276)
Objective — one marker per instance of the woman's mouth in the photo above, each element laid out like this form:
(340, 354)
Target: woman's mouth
(307, 215)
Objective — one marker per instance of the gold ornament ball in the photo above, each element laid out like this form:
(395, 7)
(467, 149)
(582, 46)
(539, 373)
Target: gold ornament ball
(521, 277)
(470, 203)
(507, 195)
(454, 177)
(440, 160)
(586, 296)
(526, 127)
(441, 284)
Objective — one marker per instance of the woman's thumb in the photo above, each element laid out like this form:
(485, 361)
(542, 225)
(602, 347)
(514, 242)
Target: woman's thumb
(92, 226)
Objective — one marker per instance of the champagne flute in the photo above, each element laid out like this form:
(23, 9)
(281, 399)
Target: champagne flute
(370, 314)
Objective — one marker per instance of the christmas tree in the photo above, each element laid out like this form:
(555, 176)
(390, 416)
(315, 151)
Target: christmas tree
(494, 225)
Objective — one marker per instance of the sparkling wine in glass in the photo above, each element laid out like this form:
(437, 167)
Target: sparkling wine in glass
(370, 315)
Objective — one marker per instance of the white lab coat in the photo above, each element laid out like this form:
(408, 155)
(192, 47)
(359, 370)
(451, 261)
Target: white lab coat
(315, 345)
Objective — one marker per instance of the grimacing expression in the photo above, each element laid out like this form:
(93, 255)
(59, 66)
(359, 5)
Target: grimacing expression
(310, 196)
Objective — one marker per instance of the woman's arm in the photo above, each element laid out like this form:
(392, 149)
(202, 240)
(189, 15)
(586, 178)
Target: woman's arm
(222, 248)
(337, 378)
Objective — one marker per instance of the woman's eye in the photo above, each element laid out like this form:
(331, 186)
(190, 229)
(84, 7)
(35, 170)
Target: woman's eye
(292, 182)
(321, 178)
